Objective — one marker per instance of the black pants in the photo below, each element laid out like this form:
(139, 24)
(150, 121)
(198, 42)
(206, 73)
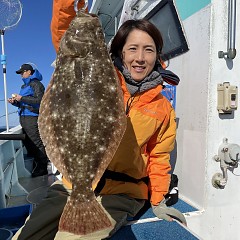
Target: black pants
(33, 141)
(44, 220)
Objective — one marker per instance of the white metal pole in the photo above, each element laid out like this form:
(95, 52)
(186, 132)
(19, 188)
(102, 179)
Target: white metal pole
(4, 80)
(232, 24)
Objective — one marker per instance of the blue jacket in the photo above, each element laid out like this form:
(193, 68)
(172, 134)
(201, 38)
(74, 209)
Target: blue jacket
(32, 92)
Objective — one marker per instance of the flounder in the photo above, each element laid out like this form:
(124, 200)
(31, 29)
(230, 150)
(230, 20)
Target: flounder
(82, 120)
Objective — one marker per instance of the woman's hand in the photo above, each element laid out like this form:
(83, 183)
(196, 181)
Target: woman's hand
(168, 213)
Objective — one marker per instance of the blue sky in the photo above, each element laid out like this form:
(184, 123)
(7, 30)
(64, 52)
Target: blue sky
(29, 41)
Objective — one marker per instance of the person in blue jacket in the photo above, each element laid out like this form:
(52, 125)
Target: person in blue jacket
(28, 102)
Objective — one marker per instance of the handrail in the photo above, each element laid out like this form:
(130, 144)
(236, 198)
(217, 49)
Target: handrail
(12, 136)
(231, 51)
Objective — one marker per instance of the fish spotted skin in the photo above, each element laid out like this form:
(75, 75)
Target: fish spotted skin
(82, 120)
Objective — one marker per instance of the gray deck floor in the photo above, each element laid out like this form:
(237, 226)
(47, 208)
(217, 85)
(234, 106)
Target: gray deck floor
(35, 187)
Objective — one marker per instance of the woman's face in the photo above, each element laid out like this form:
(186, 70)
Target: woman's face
(139, 54)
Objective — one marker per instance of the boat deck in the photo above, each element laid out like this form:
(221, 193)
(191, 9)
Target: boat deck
(36, 188)
(144, 226)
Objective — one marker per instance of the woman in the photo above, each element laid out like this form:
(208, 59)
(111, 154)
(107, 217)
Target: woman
(140, 167)
(151, 127)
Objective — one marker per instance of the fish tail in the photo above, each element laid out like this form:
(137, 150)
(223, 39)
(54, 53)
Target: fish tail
(82, 218)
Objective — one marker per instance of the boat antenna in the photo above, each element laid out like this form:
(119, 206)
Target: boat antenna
(76, 5)
(10, 15)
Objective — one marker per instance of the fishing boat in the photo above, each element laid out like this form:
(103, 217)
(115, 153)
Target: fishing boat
(200, 47)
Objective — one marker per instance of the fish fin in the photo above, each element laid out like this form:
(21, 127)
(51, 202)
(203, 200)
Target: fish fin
(82, 218)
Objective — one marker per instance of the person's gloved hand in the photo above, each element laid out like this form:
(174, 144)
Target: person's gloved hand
(168, 213)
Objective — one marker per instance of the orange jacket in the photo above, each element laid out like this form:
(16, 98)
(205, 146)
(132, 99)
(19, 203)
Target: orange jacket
(145, 147)
(62, 14)
(150, 135)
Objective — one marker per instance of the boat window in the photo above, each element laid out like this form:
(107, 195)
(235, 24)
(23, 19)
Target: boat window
(164, 15)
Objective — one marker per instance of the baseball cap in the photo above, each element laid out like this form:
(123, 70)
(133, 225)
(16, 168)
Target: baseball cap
(25, 67)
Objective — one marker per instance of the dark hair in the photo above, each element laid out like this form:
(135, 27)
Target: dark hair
(141, 24)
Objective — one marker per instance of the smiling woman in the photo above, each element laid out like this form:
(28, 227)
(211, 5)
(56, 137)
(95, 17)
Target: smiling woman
(139, 171)
(139, 54)
(136, 51)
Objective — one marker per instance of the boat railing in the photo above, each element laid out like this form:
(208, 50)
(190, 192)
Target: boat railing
(12, 166)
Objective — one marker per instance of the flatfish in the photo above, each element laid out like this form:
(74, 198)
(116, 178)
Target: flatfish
(82, 120)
